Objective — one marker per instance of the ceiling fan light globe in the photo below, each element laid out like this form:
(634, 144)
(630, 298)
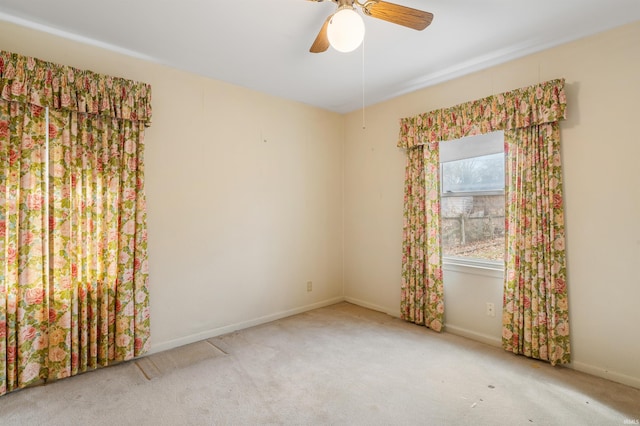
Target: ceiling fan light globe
(346, 30)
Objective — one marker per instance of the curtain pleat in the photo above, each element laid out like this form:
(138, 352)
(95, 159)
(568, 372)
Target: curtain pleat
(535, 318)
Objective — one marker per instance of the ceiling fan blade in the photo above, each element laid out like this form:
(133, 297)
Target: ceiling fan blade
(321, 42)
(401, 15)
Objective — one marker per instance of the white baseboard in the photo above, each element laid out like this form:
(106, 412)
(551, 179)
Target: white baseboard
(605, 374)
(163, 346)
(388, 311)
(484, 338)
(479, 337)
(578, 366)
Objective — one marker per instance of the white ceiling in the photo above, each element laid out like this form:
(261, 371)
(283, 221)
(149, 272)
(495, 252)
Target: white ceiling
(264, 44)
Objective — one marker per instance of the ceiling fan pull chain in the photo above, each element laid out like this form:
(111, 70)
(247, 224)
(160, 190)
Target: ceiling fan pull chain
(363, 115)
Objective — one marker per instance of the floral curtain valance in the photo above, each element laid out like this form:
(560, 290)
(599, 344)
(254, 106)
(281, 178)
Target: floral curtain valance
(28, 80)
(538, 104)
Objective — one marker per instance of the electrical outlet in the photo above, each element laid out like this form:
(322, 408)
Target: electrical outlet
(491, 309)
(309, 285)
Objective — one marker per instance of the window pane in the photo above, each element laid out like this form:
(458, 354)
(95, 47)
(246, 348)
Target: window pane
(473, 226)
(483, 173)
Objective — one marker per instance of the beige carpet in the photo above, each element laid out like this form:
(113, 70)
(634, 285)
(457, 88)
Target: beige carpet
(340, 365)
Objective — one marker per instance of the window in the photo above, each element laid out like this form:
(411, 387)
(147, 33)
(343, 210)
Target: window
(472, 199)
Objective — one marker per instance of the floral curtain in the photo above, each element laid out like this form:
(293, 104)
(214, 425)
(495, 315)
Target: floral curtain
(535, 314)
(27, 80)
(520, 112)
(23, 274)
(422, 300)
(75, 297)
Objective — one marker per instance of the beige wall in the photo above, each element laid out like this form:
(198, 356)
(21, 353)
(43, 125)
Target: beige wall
(244, 196)
(601, 151)
(250, 196)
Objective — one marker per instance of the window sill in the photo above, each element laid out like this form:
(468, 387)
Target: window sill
(473, 266)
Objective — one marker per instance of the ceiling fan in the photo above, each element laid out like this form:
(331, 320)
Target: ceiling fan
(390, 12)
